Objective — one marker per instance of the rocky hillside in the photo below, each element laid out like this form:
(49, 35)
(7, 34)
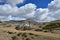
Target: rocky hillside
(31, 25)
(29, 30)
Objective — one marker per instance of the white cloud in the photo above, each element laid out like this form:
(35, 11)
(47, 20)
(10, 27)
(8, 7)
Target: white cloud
(40, 13)
(28, 9)
(53, 12)
(54, 5)
(4, 18)
(54, 8)
(12, 2)
(8, 12)
(22, 12)
(15, 18)
(5, 9)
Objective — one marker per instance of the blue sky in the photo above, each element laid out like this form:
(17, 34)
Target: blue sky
(39, 3)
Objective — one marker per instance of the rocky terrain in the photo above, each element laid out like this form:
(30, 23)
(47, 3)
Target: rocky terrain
(29, 30)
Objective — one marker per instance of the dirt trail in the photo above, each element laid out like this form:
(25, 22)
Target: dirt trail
(34, 32)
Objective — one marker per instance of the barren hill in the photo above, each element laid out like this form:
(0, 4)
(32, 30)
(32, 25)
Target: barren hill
(29, 30)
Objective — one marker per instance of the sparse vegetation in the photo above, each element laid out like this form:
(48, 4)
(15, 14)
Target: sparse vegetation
(38, 29)
(31, 31)
(17, 27)
(31, 34)
(0, 21)
(27, 39)
(18, 34)
(27, 28)
(8, 25)
(24, 35)
(14, 38)
(10, 32)
(52, 26)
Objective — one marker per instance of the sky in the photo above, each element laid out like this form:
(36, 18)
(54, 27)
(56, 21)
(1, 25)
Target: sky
(38, 10)
(38, 3)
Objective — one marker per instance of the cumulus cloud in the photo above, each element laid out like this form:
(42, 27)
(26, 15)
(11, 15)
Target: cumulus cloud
(5, 9)
(54, 5)
(24, 12)
(12, 2)
(11, 12)
(4, 18)
(49, 14)
(41, 14)
(54, 8)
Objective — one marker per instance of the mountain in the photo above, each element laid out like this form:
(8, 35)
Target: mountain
(20, 21)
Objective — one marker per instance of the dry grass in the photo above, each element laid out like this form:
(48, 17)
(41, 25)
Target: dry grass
(34, 32)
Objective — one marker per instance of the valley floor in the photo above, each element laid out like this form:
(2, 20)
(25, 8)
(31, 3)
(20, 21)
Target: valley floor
(4, 32)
